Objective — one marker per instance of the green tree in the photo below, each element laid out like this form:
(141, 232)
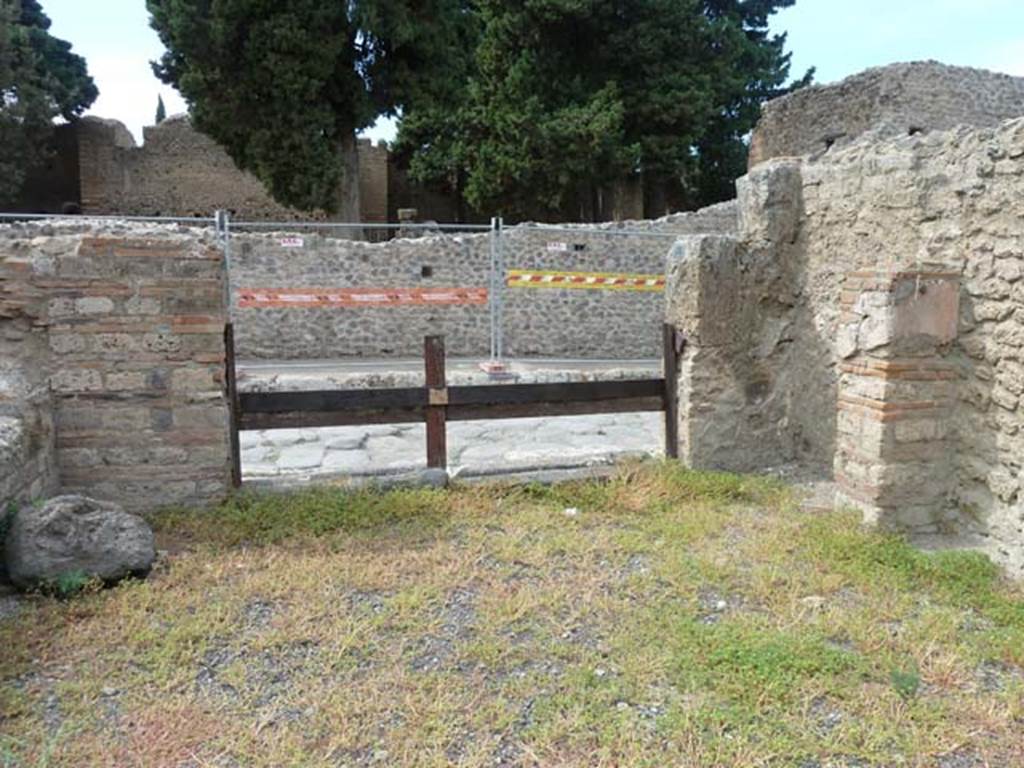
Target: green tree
(566, 97)
(40, 80)
(285, 86)
(161, 110)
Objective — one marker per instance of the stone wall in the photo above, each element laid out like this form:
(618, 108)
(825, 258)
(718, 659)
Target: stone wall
(28, 454)
(891, 101)
(539, 322)
(176, 172)
(113, 352)
(814, 288)
(180, 172)
(373, 181)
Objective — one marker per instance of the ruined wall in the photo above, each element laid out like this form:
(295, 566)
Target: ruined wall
(888, 101)
(179, 171)
(374, 170)
(854, 235)
(545, 322)
(944, 203)
(28, 453)
(113, 353)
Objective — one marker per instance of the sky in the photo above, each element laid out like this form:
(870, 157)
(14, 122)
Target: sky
(838, 37)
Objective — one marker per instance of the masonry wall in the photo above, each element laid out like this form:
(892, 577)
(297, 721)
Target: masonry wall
(179, 171)
(374, 171)
(946, 204)
(116, 340)
(887, 101)
(544, 322)
(28, 452)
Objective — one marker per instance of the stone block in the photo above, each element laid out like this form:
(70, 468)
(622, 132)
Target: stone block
(142, 305)
(118, 381)
(200, 416)
(70, 380)
(192, 379)
(94, 305)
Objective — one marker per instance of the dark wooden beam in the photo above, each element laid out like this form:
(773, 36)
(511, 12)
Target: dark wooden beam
(532, 410)
(672, 347)
(572, 391)
(234, 408)
(437, 398)
(333, 400)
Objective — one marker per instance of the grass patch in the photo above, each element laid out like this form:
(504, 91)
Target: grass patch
(269, 518)
(677, 618)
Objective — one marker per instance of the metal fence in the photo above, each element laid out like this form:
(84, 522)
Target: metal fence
(498, 239)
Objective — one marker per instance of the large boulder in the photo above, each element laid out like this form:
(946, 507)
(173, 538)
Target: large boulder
(77, 535)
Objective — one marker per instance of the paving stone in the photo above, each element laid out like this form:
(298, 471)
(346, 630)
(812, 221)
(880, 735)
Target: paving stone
(485, 446)
(301, 456)
(346, 463)
(343, 438)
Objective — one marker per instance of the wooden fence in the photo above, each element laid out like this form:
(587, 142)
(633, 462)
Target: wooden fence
(436, 403)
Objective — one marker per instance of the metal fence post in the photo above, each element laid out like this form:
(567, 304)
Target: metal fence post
(493, 288)
(500, 292)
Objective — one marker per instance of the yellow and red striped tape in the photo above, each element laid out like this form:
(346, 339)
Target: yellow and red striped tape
(598, 281)
(274, 298)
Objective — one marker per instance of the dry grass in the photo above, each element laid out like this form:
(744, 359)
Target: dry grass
(679, 619)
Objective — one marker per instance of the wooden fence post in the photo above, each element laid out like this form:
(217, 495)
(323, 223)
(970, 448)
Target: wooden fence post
(231, 386)
(672, 346)
(437, 399)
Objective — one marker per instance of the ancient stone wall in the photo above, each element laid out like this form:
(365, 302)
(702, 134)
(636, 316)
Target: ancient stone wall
(890, 101)
(113, 354)
(28, 453)
(176, 172)
(832, 252)
(374, 161)
(947, 203)
(539, 321)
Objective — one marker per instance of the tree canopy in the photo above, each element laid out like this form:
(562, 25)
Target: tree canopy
(565, 97)
(40, 80)
(285, 86)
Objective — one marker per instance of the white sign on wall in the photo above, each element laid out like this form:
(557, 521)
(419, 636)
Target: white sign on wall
(292, 242)
(558, 247)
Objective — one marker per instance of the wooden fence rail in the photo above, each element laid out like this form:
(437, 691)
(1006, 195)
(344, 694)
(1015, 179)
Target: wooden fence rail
(436, 403)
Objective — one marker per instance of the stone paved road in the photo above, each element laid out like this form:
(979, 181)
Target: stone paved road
(474, 448)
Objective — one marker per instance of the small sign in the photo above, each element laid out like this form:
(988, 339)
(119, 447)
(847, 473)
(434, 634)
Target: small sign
(558, 247)
(292, 242)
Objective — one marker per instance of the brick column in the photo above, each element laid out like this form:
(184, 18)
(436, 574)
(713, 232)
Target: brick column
(896, 393)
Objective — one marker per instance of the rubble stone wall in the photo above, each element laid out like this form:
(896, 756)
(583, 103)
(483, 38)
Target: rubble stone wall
(943, 203)
(814, 234)
(28, 454)
(539, 322)
(116, 338)
(890, 101)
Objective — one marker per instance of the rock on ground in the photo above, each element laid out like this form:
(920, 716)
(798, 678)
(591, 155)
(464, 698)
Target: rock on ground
(75, 534)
